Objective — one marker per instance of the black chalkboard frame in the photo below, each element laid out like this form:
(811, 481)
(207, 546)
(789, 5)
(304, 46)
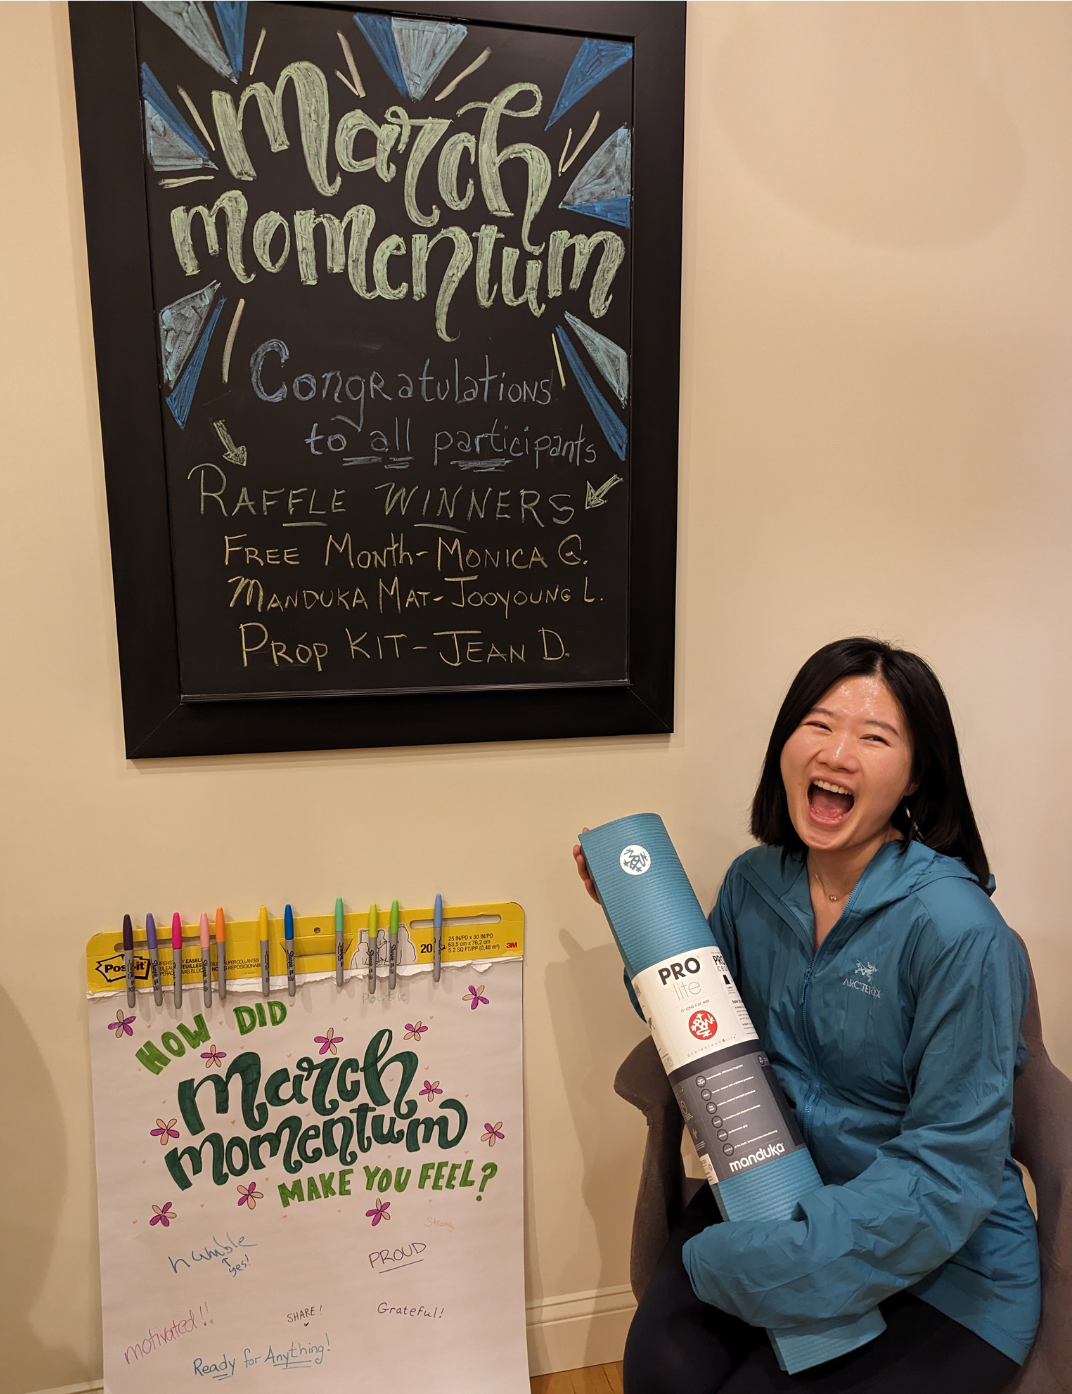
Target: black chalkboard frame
(157, 722)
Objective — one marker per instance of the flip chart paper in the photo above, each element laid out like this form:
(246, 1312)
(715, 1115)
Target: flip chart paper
(329, 1185)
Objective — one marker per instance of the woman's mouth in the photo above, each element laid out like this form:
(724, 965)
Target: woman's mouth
(829, 804)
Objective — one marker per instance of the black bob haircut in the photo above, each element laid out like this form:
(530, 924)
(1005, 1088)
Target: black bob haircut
(939, 813)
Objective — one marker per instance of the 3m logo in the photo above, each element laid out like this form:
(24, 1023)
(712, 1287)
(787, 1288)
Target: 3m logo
(512, 944)
(703, 1025)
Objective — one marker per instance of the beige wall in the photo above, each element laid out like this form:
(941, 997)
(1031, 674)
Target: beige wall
(876, 436)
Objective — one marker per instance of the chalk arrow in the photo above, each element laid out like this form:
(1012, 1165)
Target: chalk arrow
(235, 453)
(596, 498)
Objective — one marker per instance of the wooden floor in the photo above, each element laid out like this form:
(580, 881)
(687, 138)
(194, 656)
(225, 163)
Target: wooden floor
(596, 1379)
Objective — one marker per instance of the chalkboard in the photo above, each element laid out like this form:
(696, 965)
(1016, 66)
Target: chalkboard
(386, 312)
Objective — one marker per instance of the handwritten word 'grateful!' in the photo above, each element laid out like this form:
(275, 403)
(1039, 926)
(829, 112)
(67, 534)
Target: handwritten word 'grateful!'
(386, 1310)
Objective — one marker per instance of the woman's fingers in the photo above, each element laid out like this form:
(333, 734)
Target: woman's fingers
(583, 872)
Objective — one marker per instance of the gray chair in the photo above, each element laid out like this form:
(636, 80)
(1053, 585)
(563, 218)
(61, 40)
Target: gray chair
(1042, 1109)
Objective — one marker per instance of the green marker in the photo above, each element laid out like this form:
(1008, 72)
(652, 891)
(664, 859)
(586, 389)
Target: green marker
(393, 959)
(338, 941)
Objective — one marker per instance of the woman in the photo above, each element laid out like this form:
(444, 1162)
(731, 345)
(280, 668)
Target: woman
(889, 994)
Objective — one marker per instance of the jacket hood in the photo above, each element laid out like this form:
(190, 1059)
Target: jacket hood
(895, 872)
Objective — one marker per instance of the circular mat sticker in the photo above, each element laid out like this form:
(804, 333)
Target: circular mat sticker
(635, 860)
(703, 1025)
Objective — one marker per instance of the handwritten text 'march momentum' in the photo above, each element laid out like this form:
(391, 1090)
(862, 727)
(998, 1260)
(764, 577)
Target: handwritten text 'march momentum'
(347, 237)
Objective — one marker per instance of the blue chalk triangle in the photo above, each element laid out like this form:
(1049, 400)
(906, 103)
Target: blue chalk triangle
(609, 210)
(189, 19)
(380, 35)
(423, 47)
(231, 17)
(595, 60)
(181, 400)
(162, 104)
(612, 428)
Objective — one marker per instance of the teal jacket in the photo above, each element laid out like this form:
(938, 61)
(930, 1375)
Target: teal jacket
(896, 1044)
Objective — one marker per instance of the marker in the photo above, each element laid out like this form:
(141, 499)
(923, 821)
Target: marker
(176, 955)
(154, 958)
(206, 963)
(437, 943)
(393, 953)
(373, 947)
(288, 944)
(128, 959)
(339, 980)
(221, 953)
(266, 982)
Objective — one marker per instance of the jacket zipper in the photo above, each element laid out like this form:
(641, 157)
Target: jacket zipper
(815, 1086)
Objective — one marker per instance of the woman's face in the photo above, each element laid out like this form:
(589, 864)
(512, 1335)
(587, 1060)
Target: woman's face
(847, 766)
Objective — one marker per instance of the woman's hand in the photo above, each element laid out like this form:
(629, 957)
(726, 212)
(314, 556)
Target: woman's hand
(583, 872)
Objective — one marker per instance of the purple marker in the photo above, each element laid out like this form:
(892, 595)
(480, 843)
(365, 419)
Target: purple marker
(154, 958)
(128, 959)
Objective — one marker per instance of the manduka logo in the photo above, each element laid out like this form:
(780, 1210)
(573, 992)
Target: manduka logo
(703, 1025)
(634, 860)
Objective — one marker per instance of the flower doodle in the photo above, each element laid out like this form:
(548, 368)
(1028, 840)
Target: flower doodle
(163, 1215)
(379, 1212)
(476, 996)
(249, 1195)
(329, 1042)
(491, 1133)
(164, 1131)
(431, 1088)
(415, 1030)
(212, 1056)
(121, 1025)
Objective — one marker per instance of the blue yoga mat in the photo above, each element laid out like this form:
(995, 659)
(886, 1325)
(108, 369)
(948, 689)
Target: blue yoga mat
(759, 1167)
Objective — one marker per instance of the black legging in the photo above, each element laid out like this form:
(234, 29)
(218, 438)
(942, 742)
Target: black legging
(680, 1345)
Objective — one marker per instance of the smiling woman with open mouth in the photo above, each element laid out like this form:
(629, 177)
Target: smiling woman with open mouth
(889, 994)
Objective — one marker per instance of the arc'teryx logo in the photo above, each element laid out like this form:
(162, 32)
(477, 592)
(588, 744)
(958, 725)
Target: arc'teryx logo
(862, 982)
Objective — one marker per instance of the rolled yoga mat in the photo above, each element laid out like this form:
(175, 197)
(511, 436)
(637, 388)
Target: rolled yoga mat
(756, 1160)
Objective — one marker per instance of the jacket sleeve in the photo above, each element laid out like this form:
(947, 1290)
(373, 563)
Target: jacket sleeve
(847, 1247)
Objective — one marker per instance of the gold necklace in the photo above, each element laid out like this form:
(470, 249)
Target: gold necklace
(819, 883)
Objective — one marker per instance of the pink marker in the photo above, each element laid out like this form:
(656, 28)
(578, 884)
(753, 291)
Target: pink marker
(206, 964)
(176, 955)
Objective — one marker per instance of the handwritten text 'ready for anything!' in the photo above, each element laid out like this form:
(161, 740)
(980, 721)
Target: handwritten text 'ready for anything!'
(399, 267)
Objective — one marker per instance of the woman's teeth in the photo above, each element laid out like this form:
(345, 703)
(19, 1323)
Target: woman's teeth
(829, 803)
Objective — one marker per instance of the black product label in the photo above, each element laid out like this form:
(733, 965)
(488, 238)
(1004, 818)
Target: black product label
(735, 1111)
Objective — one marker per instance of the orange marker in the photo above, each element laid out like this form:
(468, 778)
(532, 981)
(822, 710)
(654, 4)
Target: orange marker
(221, 954)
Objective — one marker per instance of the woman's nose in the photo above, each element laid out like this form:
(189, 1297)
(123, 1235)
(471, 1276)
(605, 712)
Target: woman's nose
(839, 752)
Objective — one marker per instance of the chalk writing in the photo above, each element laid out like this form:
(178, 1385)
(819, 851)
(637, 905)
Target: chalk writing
(409, 357)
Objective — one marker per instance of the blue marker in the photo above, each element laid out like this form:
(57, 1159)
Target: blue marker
(288, 945)
(154, 958)
(437, 949)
